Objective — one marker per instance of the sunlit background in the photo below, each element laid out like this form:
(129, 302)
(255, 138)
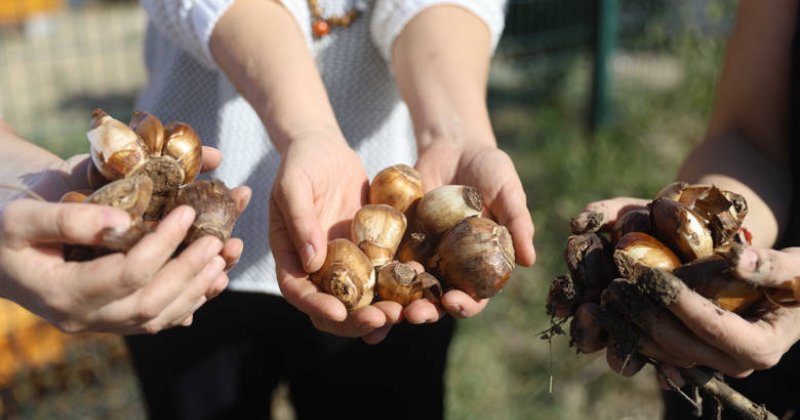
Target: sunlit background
(592, 99)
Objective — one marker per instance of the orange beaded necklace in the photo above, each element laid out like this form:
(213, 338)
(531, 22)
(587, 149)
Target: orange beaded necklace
(321, 26)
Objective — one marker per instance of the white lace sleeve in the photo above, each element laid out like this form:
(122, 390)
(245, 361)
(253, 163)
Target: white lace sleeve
(188, 23)
(390, 16)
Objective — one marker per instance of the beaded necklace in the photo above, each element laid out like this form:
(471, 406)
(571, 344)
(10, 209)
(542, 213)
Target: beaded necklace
(321, 26)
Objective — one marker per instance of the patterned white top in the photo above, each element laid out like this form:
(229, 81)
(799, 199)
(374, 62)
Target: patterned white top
(185, 84)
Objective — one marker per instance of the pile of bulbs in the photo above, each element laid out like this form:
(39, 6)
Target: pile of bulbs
(690, 232)
(147, 169)
(442, 230)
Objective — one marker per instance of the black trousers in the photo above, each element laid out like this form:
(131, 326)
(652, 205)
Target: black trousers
(241, 345)
(778, 389)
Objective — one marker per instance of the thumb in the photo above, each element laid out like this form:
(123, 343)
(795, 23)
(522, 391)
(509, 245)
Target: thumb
(28, 221)
(295, 203)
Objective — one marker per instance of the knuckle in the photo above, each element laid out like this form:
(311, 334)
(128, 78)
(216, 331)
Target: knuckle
(131, 278)
(70, 326)
(152, 327)
(8, 217)
(146, 312)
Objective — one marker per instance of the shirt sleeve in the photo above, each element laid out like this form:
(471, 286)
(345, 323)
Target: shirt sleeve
(390, 16)
(188, 23)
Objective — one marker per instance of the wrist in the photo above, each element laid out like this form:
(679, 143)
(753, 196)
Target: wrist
(454, 134)
(320, 135)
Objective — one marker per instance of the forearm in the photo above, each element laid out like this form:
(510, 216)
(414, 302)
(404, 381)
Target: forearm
(23, 162)
(747, 146)
(441, 62)
(261, 50)
(733, 163)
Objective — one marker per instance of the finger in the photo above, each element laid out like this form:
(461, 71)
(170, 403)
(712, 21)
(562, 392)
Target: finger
(624, 363)
(393, 311)
(585, 331)
(189, 299)
(241, 196)
(26, 222)
(602, 214)
(358, 324)
(305, 296)
(460, 305)
(154, 249)
(673, 336)
(218, 286)
(669, 377)
(750, 344)
(510, 209)
(423, 311)
(293, 200)
(114, 276)
(769, 267)
(211, 159)
(232, 252)
(377, 335)
(172, 293)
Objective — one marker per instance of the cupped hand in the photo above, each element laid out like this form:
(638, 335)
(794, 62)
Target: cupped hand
(693, 330)
(492, 172)
(143, 291)
(319, 187)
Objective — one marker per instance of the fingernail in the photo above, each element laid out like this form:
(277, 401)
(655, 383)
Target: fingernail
(215, 267)
(308, 253)
(213, 247)
(456, 310)
(188, 321)
(186, 215)
(748, 261)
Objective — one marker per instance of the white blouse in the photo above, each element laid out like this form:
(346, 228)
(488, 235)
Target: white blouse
(185, 84)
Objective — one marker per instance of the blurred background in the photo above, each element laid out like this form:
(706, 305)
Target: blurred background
(592, 99)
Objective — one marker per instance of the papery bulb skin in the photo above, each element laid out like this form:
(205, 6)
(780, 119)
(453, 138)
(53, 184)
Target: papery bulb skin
(214, 205)
(476, 256)
(150, 130)
(347, 274)
(680, 228)
(116, 150)
(440, 209)
(398, 186)
(637, 250)
(183, 144)
(377, 230)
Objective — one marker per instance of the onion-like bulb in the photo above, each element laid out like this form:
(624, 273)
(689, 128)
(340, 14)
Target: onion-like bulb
(183, 144)
(681, 229)
(636, 251)
(398, 186)
(116, 150)
(476, 256)
(346, 274)
(215, 208)
(400, 283)
(378, 229)
(440, 209)
(150, 129)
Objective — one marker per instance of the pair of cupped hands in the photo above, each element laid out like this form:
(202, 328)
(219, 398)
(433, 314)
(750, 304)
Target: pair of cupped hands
(693, 330)
(318, 189)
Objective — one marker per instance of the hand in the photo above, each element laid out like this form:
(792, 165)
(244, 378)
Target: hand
(492, 172)
(318, 189)
(692, 330)
(138, 292)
